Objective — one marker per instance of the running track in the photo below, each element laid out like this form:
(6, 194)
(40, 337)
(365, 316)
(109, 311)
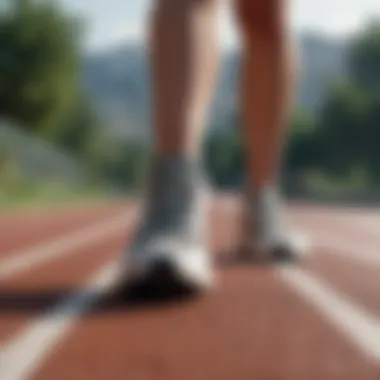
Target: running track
(60, 320)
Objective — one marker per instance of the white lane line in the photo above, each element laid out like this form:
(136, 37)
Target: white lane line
(360, 327)
(29, 349)
(41, 254)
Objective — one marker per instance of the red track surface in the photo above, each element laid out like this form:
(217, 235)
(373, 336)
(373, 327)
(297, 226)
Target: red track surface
(254, 326)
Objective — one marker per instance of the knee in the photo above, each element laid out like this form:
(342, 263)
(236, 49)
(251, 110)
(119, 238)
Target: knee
(261, 20)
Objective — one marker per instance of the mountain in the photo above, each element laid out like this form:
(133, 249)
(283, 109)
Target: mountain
(118, 81)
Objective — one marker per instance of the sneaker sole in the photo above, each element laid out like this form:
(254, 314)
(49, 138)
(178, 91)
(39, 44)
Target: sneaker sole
(166, 275)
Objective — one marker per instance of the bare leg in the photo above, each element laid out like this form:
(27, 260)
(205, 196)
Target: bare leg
(267, 94)
(170, 246)
(184, 58)
(267, 85)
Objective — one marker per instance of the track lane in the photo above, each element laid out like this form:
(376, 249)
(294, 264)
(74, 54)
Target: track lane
(234, 328)
(253, 327)
(20, 231)
(34, 294)
(30, 293)
(347, 254)
(153, 343)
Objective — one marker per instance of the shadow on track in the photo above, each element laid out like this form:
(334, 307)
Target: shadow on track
(29, 302)
(35, 303)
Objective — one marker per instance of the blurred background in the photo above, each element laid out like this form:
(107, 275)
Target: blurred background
(75, 120)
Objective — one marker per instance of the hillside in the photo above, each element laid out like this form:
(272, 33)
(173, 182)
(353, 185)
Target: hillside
(118, 81)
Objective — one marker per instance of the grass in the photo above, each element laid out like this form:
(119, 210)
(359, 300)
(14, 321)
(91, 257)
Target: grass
(24, 194)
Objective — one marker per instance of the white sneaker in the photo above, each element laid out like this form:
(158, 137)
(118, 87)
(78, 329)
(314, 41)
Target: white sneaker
(267, 237)
(169, 250)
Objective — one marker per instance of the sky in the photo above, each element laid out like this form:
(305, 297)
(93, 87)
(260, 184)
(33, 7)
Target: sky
(113, 21)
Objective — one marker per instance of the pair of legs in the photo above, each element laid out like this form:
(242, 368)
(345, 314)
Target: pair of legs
(184, 57)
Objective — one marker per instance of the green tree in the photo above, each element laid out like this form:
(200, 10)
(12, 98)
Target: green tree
(344, 129)
(39, 59)
(224, 158)
(121, 165)
(364, 58)
(303, 150)
(349, 119)
(77, 128)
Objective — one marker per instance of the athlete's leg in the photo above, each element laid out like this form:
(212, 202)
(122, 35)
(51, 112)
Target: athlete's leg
(267, 86)
(184, 59)
(184, 56)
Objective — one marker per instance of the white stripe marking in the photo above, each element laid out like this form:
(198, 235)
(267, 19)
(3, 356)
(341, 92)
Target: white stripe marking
(357, 324)
(26, 352)
(26, 259)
